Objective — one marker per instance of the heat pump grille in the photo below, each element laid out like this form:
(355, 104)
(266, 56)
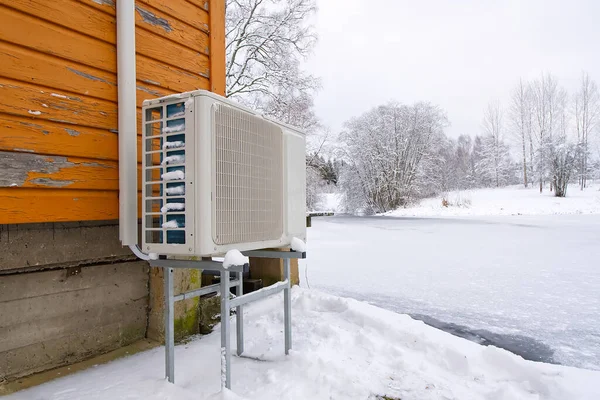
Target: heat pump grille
(248, 192)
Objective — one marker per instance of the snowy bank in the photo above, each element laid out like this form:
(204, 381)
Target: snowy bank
(512, 200)
(343, 349)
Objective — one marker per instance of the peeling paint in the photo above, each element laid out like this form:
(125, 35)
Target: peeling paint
(72, 132)
(148, 90)
(24, 150)
(36, 126)
(113, 131)
(45, 132)
(90, 77)
(103, 113)
(44, 105)
(204, 74)
(96, 165)
(51, 182)
(62, 96)
(16, 168)
(152, 19)
(206, 5)
(32, 112)
(105, 2)
(151, 82)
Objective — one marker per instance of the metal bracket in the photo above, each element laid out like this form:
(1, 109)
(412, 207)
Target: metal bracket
(286, 255)
(227, 303)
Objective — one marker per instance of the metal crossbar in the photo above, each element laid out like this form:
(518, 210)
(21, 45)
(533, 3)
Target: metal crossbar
(227, 303)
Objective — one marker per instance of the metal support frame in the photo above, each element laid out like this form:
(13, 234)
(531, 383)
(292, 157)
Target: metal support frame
(227, 303)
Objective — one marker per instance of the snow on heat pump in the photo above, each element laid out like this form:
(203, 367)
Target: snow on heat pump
(218, 176)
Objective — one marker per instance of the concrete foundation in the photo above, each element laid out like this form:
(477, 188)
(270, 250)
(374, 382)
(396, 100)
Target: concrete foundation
(69, 292)
(58, 317)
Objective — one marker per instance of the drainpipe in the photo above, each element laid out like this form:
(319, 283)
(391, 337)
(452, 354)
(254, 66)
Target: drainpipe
(126, 74)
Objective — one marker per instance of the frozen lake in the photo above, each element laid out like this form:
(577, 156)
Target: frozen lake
(531, 283)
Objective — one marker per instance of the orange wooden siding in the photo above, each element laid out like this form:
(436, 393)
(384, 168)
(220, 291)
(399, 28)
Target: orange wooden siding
(58, 95)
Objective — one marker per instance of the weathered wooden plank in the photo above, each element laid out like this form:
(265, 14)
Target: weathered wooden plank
(63, 42)
(89, 21)
(30, 66)
(47, 137)
(172, 11)
(26, 205)
(168, 52)
(193, 36)
(217, 46)
(190, 14)
(35, 170)
(28, 100)
(72, 15)
(202, 4)
(33, 67)
(27, 31)
(159, 74)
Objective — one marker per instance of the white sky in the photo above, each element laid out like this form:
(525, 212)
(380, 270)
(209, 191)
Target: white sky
(458, 54)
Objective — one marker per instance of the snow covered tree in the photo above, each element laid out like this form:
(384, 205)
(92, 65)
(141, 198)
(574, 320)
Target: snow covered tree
(265, 42)
(384, 150)
(438, 173)
(314, 185)
(563, 162)
(587, 120)
(547, 99)
(495, 164)
(464, 167)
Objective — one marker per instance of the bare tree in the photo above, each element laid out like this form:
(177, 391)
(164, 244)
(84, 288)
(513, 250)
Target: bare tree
(492, 125)
(521, 117)
(265, 43)
(587, 118)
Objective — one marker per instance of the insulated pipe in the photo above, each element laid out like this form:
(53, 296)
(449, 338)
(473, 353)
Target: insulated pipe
(126, 74)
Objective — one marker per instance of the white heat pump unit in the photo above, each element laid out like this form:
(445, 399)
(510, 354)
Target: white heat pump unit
(217, 176)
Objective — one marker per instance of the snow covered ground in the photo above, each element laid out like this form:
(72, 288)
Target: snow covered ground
(525, 282)
(343, 349)
(513, 200)
(533, 280)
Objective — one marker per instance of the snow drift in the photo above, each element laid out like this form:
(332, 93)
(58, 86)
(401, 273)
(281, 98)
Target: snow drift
(342, 349)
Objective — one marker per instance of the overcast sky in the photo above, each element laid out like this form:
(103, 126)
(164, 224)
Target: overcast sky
(458, 54)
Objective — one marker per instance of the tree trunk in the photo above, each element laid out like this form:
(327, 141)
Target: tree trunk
(524, 161)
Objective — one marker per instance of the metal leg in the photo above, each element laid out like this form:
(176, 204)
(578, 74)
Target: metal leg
(239, 316)
(169, 326)
(287, 307)
(225, 336)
